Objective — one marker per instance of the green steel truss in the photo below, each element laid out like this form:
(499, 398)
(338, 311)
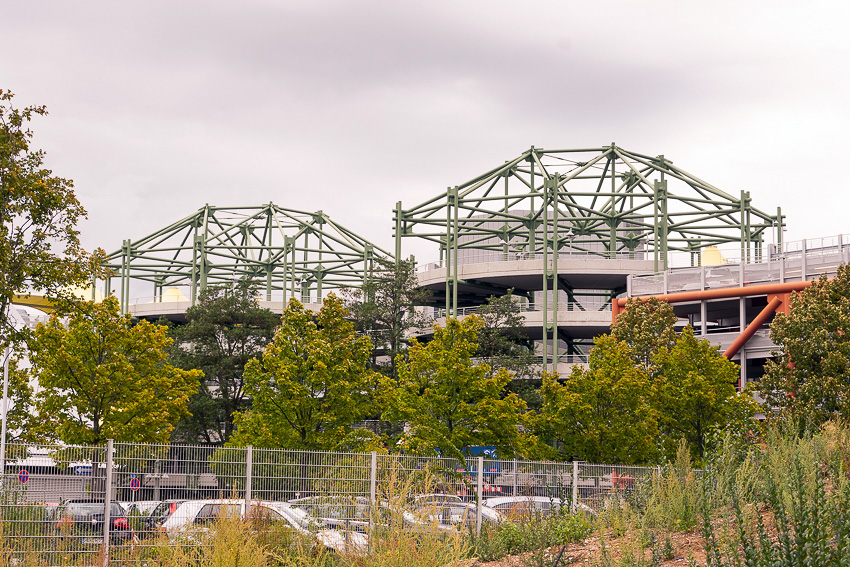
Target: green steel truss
(605, 201)
(299, 253)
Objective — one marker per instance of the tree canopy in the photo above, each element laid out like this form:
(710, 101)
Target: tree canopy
(603, 413)
(644, 390)
(225, 329)
(102, 377)
(809, 378)
(313, 384)
(384, 307)
(40, 249)
(451, 404)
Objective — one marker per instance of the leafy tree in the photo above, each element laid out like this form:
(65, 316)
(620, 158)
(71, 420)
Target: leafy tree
(103, 378)
(646, 326)
(503, 338)
(603, 413)
(224, 330)
(451, 404)
(809, 378)
(39, 244)
(696, 394)
(646, 388)
(385, 308)
(312, 385)
(503, 342)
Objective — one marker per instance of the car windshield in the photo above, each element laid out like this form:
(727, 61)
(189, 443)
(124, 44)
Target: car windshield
(164, 509)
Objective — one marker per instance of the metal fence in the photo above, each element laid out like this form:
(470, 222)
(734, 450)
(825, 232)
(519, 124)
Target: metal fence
(54, 497)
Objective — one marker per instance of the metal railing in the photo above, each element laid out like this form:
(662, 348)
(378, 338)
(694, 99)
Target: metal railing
(532, 307)
(483, 257)
(47, 489)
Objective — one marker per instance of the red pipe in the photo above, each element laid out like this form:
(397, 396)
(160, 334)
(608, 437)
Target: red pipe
(751, 329)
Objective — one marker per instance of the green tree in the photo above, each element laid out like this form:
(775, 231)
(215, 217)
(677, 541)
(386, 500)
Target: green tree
(646, 326)
(603, 413)
(312, 385)
(451, 404)
(103, 378)
(225, 329)
(696, 394)
(809, 377)
(384, 307)
(503, 343)
(40, 248)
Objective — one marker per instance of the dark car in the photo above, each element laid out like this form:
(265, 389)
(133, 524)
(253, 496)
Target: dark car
(84, 519)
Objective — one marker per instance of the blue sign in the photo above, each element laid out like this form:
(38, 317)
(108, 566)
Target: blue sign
(134, 483)
(23, 476)
(84, 470)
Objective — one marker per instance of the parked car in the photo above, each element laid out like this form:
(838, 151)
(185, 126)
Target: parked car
(449, 511)
(84, 519)
(155, 516)
(140, 507)
(511, 506)
(193, 517)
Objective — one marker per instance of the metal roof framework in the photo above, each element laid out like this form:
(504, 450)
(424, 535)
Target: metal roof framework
(303, 254)
(605, 201)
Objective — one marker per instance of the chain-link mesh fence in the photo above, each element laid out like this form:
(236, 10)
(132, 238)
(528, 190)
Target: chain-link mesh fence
(54, 498)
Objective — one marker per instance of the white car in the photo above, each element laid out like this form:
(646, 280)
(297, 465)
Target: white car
(448, 510)
(195, 516)
(525, 505)
(140, 507)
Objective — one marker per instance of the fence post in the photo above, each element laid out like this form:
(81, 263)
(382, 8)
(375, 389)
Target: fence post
(479, 494)
(107, 499)
(574, 504)
(516, 472)
(249, 465)
(373, 479)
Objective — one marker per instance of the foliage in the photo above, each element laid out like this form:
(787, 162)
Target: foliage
(384, 307)
(809, 378)
(646, 326)
(680, 386)
(40, 248)
(503, 340)
(313, 382)
(103, 378)
(524, 533)
(603, 413)
(20, 422)
(451, 404)
(810, 516)
(225, 329)
(675, 495)
(696, 394)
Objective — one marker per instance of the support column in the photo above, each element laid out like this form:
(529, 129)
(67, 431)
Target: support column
(556, 289)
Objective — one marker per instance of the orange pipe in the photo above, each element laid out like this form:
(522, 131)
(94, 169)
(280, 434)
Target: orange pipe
(722, 293)
(751, 329)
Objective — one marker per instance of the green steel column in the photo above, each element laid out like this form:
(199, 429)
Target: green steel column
(779, 228)
(745, 226)
(556, 291)
(398, 230)
(448, 260)
(546, 186)
(661, 231)
(268, 282)
(655, 226)
(125, 272)
(202, 257)
(454, 251)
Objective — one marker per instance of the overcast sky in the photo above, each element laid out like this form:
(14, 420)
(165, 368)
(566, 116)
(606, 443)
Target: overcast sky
(158, 107)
